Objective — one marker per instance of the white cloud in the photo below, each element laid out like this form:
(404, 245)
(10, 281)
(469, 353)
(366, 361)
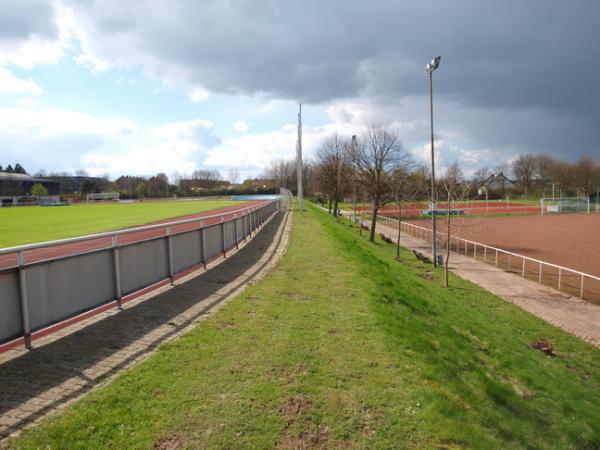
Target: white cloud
(45, 123)
(198, 94)
(173, 147)
(29, 53)
(240, 126)
(9, 84)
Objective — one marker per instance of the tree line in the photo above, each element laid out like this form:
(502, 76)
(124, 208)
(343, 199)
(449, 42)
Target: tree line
(536, 173)
(16, 169)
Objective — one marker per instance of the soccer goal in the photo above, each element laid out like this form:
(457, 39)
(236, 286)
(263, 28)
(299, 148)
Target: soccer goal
(565, 205)
(103, 196)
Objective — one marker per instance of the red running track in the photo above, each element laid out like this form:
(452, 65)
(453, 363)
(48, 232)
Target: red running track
(494, 207)
(62, 250)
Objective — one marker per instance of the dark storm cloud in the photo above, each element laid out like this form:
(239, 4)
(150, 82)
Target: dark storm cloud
(514, 54)
(20, 19)
(515, 74)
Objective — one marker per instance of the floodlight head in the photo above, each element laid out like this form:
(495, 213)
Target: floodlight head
(434, 64)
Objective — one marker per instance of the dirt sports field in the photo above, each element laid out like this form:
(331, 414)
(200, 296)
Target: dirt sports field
(569, 240)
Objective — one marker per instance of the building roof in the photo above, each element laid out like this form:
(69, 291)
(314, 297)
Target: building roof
(497, 178)
(9, 176)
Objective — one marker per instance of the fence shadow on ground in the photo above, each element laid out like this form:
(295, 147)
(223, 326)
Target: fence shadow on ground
(37, 382)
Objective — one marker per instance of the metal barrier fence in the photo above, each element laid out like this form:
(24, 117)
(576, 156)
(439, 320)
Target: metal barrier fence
(570, 281)
(42, 284)
(286, 199)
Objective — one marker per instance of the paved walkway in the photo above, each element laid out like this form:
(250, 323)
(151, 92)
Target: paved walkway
(66, 365)
(573, 315)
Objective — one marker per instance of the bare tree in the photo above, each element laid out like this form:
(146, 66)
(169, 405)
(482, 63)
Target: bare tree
(233, 175)
(406, 186)
(524, 168)
(283, 171)
(378, 154)
(480, 175)
(454, 189)
(209, 175)
(333, 159)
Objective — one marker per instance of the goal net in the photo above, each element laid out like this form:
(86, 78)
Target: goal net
(565, 205)
(103, 196)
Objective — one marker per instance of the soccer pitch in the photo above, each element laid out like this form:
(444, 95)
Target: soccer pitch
(24, 225)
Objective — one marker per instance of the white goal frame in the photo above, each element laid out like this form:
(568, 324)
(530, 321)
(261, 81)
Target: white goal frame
(103, 196)
(565, 205)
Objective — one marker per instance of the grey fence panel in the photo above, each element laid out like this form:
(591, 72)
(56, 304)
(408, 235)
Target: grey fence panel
(229, 228)
(187, 250)
(143, 264)
(214, 241)
(65, 287)
(59, 288)
(246, 220)
(10, 309)
(239, 226)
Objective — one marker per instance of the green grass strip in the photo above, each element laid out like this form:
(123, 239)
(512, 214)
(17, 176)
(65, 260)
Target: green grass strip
(25, 225)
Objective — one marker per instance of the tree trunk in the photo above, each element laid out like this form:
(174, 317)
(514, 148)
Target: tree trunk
(373, 224)
(447, 242)
(361, 222)
(399, 230)
(335, 206)
(329, 208)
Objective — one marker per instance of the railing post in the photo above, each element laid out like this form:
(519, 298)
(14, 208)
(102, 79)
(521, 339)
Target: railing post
(581, 288)
(496, 263)
(559, 277)
(170, 254)
(509, 265)
(203, 244)
(540, 275)
(235, 230)
(116, 270)
(23, 300)
(484, 253)
(523, 270)
(223, 249)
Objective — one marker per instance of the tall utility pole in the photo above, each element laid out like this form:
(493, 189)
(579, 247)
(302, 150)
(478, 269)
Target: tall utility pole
(299, 160)
(434, 64)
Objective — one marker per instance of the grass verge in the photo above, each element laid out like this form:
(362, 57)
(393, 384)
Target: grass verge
(36, 223)
(342, 346)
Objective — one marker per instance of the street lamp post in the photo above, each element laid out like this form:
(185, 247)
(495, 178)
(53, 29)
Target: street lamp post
(434, 64)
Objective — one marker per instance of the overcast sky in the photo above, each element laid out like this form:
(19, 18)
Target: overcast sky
(133, 86)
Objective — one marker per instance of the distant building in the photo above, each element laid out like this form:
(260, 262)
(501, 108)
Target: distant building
(497, 184)
(15, 188)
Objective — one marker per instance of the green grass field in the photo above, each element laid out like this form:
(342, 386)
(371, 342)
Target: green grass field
(35, 223)
(341, 346)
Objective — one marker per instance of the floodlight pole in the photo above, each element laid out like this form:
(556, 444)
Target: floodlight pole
(299, 160)
(354, 178)
(434, 64)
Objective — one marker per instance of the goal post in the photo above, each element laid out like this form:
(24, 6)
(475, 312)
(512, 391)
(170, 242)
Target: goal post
(114, 196)
(565, 205)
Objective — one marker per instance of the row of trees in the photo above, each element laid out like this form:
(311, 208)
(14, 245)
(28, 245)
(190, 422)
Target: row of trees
(535, 175)
(10, 169)
(376, 167)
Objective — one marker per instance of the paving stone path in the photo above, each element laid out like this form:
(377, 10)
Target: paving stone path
(66, 365)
